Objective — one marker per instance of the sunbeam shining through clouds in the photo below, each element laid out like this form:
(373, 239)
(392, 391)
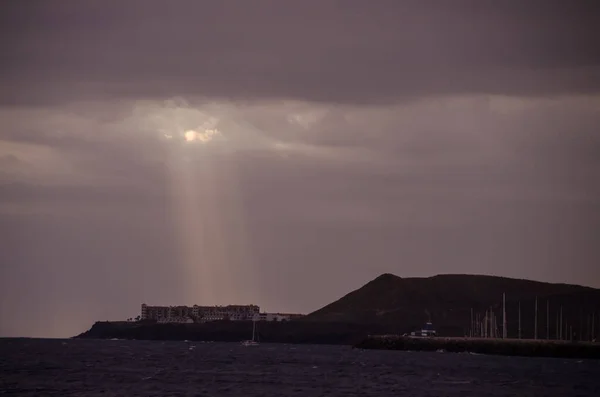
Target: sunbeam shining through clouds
(205, 202)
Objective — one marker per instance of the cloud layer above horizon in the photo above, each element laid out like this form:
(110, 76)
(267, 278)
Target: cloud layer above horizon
(233, 152)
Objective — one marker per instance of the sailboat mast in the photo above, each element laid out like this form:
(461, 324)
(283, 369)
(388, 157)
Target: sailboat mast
(571, 333)
(519, 320)
(589, 330)
(580, 325)
(536, 322)
(490, 324)
(547, 319)
(472, 324)
(484, 326)
(561, 324)
(504, 316)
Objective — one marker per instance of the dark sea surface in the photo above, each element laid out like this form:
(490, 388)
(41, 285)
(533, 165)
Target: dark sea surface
(43, 367)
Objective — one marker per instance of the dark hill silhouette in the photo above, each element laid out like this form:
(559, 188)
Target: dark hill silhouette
(447, 300)
(393, 305)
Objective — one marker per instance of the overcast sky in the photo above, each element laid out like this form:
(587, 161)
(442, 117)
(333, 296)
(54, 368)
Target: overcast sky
(284, 153)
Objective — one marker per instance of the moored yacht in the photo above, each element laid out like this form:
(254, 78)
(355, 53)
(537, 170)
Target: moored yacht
(426, 330)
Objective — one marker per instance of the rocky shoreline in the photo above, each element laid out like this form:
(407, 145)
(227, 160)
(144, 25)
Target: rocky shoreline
(358, 336)
(502, 347)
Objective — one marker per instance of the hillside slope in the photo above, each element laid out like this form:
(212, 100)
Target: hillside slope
(447, 300)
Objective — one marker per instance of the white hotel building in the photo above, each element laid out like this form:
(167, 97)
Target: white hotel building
(191, 314)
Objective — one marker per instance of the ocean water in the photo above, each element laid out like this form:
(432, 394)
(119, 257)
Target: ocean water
(42, 367)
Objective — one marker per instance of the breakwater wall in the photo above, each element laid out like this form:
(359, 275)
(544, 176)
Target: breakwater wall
(503, 347)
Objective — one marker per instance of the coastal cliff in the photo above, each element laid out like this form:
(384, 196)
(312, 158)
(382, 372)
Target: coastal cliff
(235, 331)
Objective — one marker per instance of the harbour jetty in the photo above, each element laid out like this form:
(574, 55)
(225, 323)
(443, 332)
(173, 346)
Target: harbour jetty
(503, 347)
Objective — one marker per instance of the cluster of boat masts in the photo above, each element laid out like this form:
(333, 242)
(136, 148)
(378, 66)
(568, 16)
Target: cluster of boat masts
(486, 325)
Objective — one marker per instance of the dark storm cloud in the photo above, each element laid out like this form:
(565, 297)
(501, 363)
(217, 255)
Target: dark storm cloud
(337, 51)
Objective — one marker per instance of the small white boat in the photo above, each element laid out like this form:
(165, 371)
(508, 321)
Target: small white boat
(426, 331)
(252, 342)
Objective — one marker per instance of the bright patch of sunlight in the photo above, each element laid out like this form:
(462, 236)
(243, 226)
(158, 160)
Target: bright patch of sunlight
(190, 135)
(203, 137)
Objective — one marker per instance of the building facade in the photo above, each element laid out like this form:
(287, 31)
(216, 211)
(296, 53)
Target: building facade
(177, 314)
(277, 317)
(190, 314)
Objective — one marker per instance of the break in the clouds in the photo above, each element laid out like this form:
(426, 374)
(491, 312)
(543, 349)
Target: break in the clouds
(283, 153)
